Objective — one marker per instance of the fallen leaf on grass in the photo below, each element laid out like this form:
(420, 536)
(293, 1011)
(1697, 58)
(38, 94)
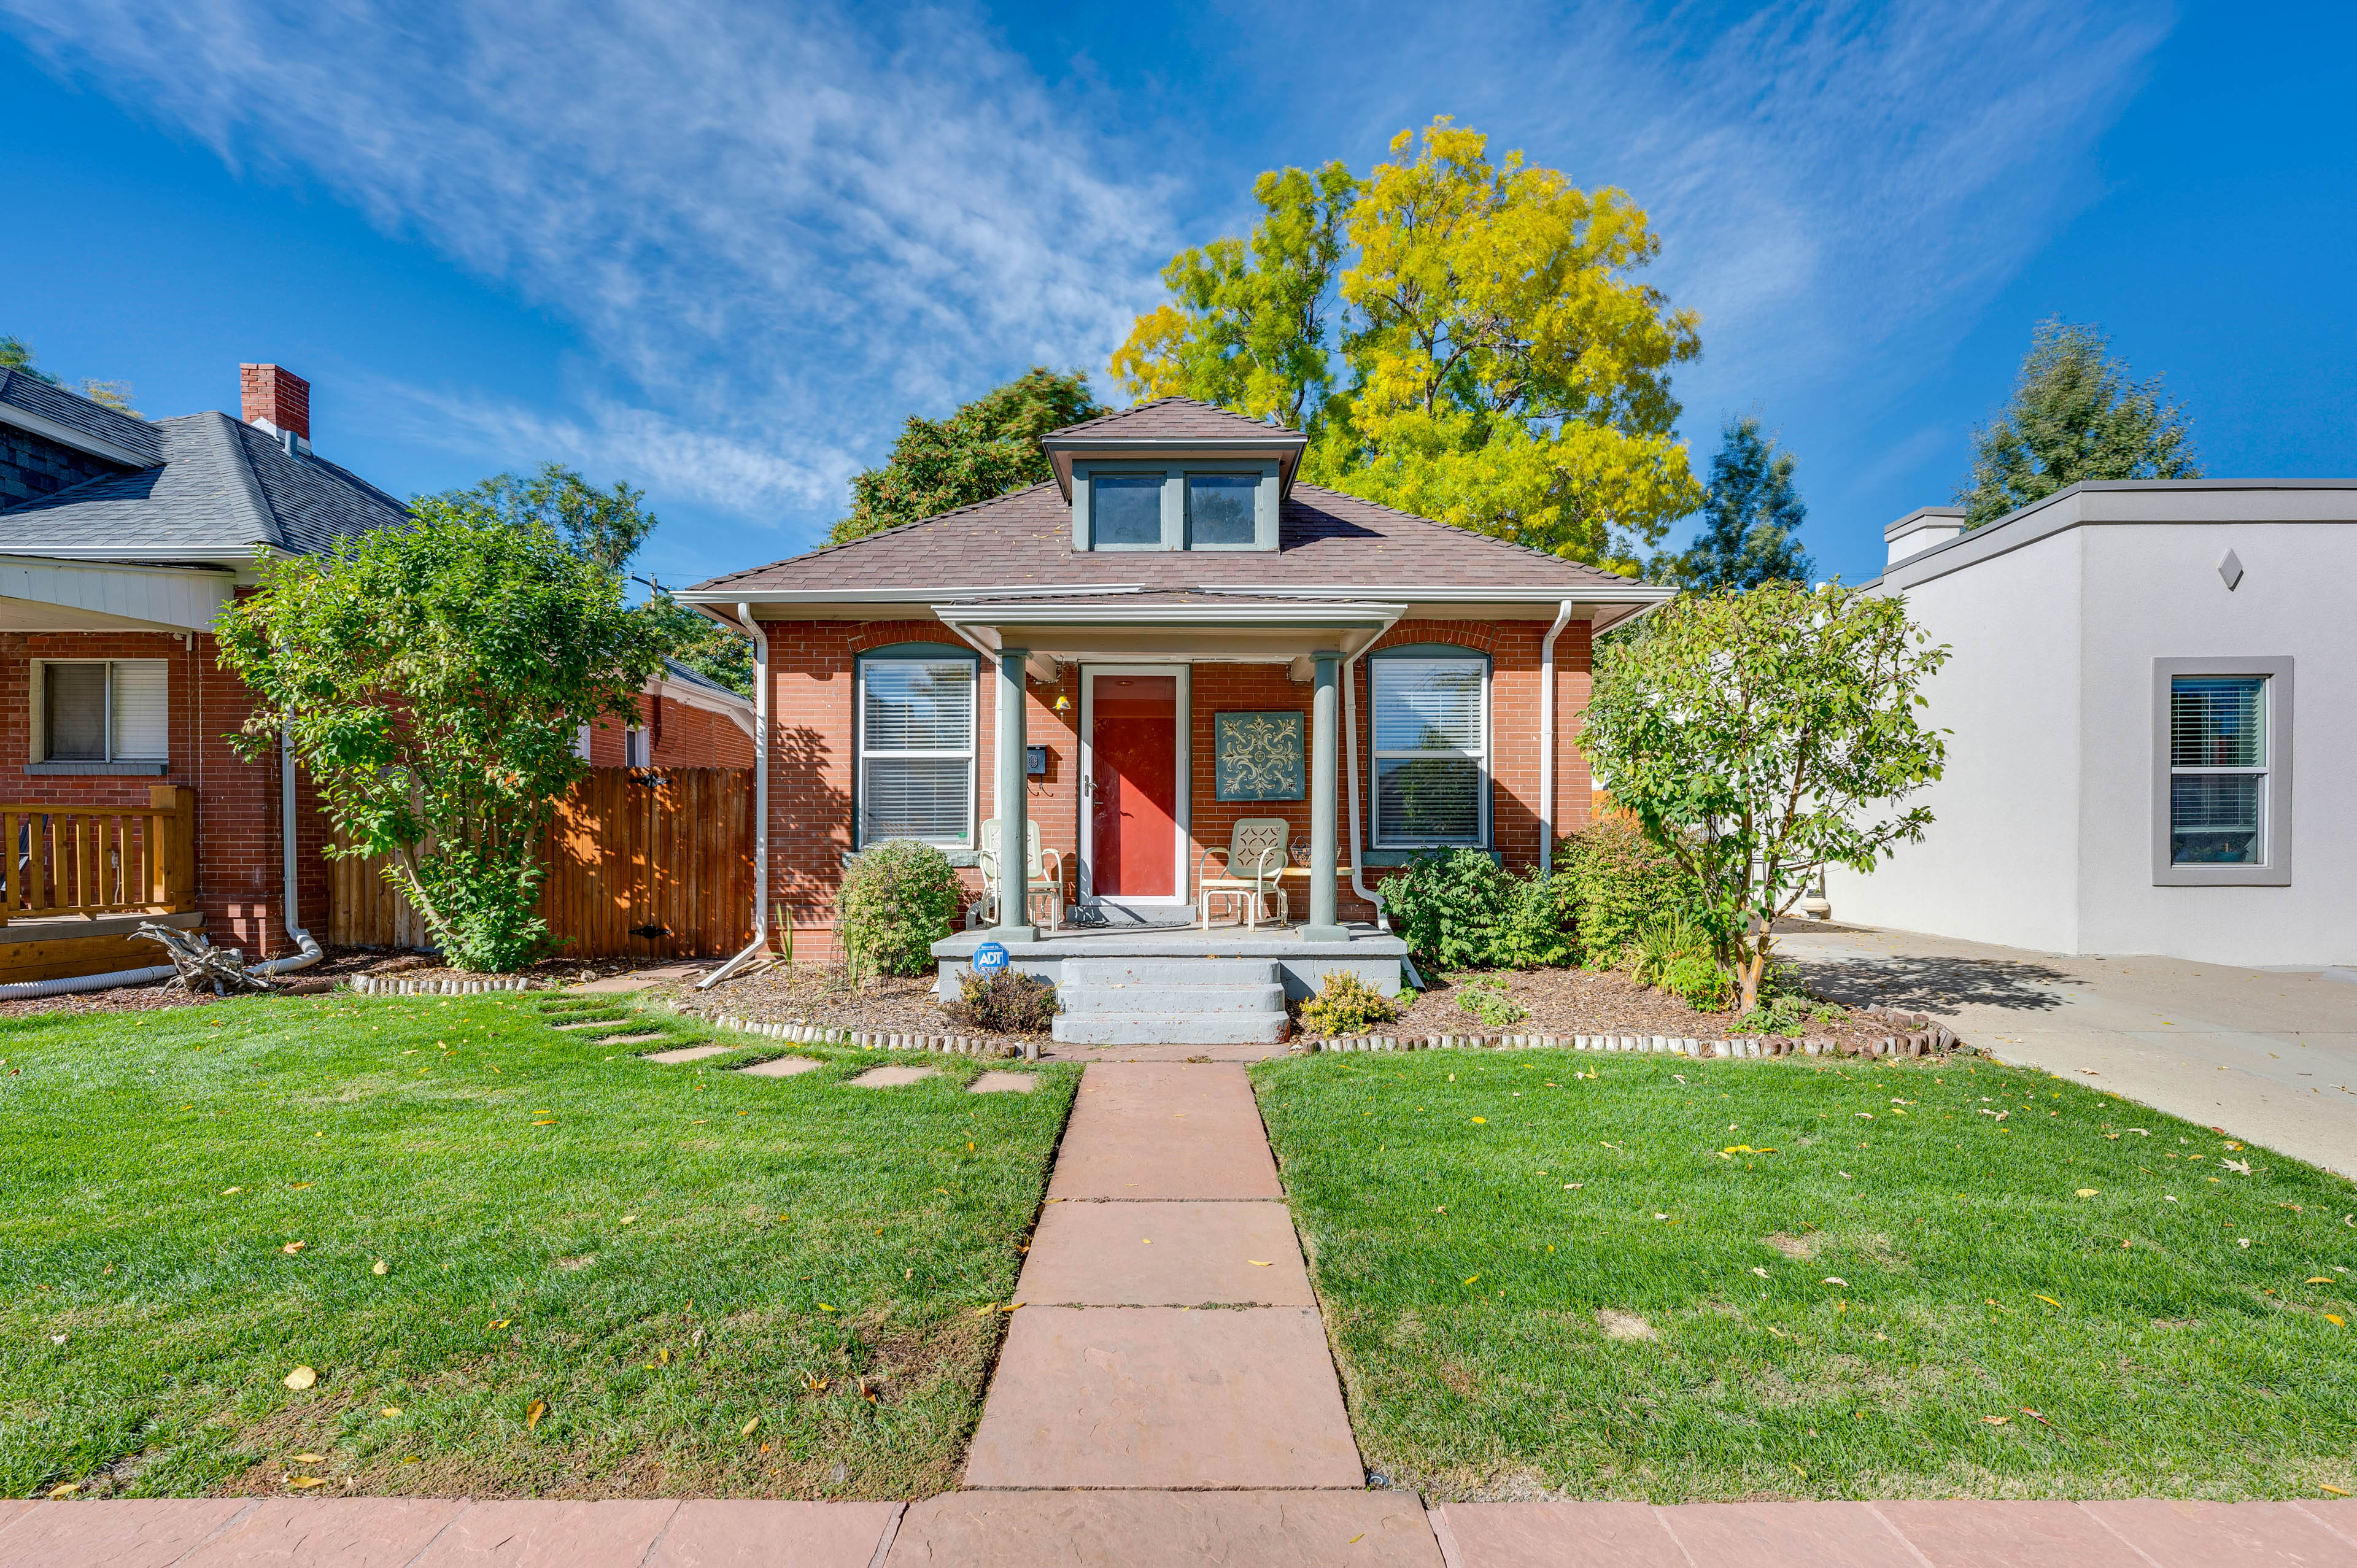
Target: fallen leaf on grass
(301, 1378)
(1762, 1273)
(67, 1490)
(2333, 1318)
(2318, 1280)
(390, 1412)
(2085, 1192)
(1997, 1419)
(1835, 1279)
(532, 1413)
(495, 1325)
(2035, 1416)
(292, 1247)
(1480, 1121)
(629, 1219)
(2336, 1491)
(747, 1430)
(302, 1482)
(231, 1191)
(815, 1384)
(307, 1458)
(1471, 1278)
(2240, 1167)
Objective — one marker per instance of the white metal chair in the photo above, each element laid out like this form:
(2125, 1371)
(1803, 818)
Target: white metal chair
(1038, 883)
(1250, 870)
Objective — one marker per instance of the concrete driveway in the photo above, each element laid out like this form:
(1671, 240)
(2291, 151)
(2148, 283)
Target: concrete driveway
(2269, 1055)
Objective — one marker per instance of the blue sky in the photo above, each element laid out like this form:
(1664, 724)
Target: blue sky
(721, 249)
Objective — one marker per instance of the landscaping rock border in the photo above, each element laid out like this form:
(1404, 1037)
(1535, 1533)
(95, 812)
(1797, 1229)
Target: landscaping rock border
(865, 1040)
(393, 985)
(1920, 1042)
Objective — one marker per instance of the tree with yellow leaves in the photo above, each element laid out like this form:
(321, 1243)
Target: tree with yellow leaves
(1505, 373)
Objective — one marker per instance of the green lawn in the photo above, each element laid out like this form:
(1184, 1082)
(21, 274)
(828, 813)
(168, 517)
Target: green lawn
(1812, 1279)
(495, 1218)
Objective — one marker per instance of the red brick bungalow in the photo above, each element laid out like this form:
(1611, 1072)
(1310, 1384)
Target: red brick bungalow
(121, 540)
(1138, 628)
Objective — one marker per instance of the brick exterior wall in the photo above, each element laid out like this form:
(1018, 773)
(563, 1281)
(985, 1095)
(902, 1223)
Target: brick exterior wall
(239, 886)
(811, 778)
(688, 737)
(33, 465)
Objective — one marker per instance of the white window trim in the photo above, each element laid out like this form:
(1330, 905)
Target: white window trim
(2273, 869)
(37, 731)
(1481, 759)
(971, 751)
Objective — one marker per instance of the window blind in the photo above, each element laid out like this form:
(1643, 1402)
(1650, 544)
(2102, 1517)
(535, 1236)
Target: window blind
(141, 732)
(2217, 721)
(1428, 704)
(915, 798)
(918, 706)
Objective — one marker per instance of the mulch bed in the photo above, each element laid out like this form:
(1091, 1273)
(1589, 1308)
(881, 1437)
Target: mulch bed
(1589, 1002)
(822, 994)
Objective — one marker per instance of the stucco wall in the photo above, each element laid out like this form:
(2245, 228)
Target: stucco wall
(2043, 837)
(1998, 863)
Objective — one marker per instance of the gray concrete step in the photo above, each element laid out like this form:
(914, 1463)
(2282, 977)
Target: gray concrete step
(1081, 971)
(1155, 998)
(1171, 1028)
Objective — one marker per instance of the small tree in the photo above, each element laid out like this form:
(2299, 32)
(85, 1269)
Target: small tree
(1761, 736)
(434, 679)
(2075, 415)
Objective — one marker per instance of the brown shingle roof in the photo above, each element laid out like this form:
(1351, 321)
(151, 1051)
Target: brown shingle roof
(1174, 419)
(1326, 540)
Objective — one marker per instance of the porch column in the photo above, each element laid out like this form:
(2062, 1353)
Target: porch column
(1010, 793)
(1324, 700)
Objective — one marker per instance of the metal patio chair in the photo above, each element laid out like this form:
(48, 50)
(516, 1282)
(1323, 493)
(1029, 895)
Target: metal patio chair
(1250, 870)
(1038, 883)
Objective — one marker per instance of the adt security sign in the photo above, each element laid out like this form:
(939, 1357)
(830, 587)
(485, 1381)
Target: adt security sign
(988, 957)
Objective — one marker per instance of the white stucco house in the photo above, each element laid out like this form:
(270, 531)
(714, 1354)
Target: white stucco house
(2152, 702)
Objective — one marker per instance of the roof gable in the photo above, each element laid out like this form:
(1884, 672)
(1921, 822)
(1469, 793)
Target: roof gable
(1174, 419)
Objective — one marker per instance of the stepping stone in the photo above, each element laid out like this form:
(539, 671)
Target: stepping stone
(687, 1054)
(892, 1077)
(1160, 1397)
(782, 1067)
(1003, 1083)
(593, 1022)
(632, 1038)
(1165, 1254)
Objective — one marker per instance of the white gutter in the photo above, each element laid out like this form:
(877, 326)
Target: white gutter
(1546, 738)
(761, 942)
(290, 913)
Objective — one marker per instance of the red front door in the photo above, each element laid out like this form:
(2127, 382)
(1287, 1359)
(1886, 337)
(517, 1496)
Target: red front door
(1134, 786)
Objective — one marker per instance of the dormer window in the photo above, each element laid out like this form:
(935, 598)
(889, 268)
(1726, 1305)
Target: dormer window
(1205, 506)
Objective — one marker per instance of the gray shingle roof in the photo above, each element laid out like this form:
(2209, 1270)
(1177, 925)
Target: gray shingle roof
(220, 486)
(1325, 539)
(1175, 418)
(76, 411)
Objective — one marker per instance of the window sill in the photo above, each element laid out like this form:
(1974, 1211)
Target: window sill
(1397, 857)
(149, 770)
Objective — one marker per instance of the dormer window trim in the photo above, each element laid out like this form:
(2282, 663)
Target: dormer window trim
(1179, 527)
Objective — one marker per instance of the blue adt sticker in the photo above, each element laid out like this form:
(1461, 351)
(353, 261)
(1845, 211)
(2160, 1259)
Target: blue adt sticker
(989, 956)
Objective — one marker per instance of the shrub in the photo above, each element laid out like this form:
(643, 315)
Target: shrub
(897, 901)
(1485, 998)
(1676, 954)
(1619, 881)
(1789, 1013)
(1459, 909)
(1004, 1001)
(1345, 1005)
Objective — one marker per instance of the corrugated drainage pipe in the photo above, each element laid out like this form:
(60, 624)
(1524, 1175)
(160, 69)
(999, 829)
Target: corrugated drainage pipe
(761, 942)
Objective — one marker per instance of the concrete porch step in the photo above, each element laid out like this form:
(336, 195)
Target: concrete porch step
(1153, 997)
(1171, 1028)
(1088, 971)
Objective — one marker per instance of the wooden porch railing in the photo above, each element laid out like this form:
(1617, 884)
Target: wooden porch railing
(60, 859)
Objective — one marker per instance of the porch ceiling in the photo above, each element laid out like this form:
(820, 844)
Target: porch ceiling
(1227, 633)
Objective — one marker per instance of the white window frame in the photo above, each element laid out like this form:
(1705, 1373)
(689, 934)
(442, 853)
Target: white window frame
(1481, 758)
(1177, 523)
(37, 731)
(971, 751)
(2273, 868)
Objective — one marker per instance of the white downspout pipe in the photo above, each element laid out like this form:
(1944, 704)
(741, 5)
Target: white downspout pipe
(290, 913)
(761, 942)
(1350, 755)
(1546, 738)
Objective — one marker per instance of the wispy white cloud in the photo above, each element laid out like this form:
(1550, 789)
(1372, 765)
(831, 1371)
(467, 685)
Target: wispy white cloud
(781, 227)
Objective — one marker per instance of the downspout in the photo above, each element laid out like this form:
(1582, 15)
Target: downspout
(290, 913)
(1546, 738)
(1351, 757)
(761, 942)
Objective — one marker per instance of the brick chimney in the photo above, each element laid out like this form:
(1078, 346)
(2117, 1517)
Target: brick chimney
(277, 400)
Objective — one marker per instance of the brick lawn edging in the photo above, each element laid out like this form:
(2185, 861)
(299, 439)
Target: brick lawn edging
(860, 1039)
(1923, 1038)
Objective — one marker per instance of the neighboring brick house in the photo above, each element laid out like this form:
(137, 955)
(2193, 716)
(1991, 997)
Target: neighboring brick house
(687, 719)
(121, 538)
(1179, 630)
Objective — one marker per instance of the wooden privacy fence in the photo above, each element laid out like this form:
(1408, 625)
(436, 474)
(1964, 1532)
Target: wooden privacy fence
(100, 859)
(642, 863)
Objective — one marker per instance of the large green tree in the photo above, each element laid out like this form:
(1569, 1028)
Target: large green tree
(987, 448)
(1750, 514)
(2075, 414)
(1501, 370)
(434, 679)
(1760, 736)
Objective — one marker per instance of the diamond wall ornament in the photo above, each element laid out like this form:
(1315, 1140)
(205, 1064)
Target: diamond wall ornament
(1258, 757)
(2229, 567)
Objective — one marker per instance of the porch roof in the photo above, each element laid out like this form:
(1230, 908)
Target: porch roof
(1208, 627)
